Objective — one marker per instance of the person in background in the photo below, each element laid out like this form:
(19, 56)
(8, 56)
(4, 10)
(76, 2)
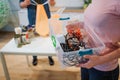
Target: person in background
(103, 17)
(32, 17)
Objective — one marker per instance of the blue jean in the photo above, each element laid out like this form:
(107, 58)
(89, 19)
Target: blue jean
(93, 74)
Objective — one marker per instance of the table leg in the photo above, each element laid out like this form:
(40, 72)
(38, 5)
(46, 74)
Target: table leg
(4, 66)
(27, 57)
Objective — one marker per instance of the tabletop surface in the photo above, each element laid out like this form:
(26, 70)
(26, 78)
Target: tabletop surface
(39, 45)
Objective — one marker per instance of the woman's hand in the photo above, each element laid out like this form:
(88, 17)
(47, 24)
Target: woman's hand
(100, 59)
(93, 61)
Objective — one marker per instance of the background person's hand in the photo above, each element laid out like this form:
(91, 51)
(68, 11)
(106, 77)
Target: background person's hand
(27, 2)
(52, 2)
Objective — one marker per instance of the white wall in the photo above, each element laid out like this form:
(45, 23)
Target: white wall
(69, 3)
(23, 17)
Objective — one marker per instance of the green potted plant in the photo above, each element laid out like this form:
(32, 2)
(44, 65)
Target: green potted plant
(86, 3)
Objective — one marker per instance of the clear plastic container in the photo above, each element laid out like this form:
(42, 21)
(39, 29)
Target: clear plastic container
(59, 29)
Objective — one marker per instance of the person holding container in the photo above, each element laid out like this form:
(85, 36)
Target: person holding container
(103, 17)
